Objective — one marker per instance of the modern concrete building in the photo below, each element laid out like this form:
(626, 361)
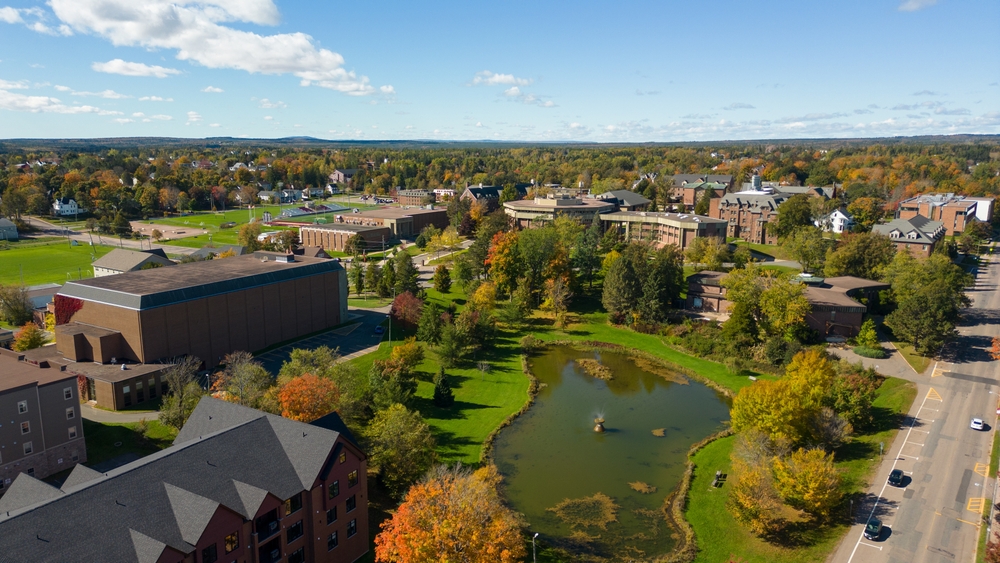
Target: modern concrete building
(205, 309)
(40, 429)
(748, 214)
(334, 236)
(953, 211)
(121, 260)
(678, 229)
(918, 235)
(536, 212)
(236, 485)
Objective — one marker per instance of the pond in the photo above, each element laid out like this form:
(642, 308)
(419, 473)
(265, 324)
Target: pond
(615, 482)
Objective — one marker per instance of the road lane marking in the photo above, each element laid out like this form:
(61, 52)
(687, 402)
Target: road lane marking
(878, 547)
(967, 522)
(933, 396)
(982, 469)
(976, 505)
(916, 444)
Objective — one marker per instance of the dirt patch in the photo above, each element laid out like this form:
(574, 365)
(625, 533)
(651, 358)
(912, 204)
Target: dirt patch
(659, 432)
(640, 487)
(595, 511)
(594, 368)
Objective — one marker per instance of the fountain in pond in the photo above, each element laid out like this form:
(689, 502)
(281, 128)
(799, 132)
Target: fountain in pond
(599, 424)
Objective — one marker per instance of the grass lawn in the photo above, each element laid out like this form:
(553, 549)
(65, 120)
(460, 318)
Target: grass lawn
(916, 361)
(102, 437)
(780, 269)
(48, 263)
(448, 258)
(719, 536)
(371, 302)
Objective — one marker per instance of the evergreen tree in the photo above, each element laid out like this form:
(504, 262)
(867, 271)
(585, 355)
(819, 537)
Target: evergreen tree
(405, 274)
(449, 348)
(443, 395)
(621, 287)
(357, 276)
(586, 256)
(442, 279)
(429, 327)
(373, 275)
(704, 202)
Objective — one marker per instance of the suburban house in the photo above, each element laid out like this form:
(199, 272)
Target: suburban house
(236, 485)
(837, 221)
(205, 309)
(66, 207)
(332, 189)
(748, 214)
(953, 211)
(312, 191)
(835, 308)
(625, 200)
(121, 260)
(917, 235)
(334, 236)
(528, 213)
(660, 228)
(8, 230)
(413, 198)
(343, 175)
(402, 222)
(491, 194)
(41, 433)
(281, 196)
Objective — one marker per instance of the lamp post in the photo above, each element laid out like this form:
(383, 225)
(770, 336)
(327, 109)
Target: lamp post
(534, 556)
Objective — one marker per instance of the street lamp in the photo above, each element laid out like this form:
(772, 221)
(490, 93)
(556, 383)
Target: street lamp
(534, 557)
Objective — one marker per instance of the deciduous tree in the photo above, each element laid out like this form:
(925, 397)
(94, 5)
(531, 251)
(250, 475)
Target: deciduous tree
(400, 448)
(183, 392)
(442, 279)
(244, 380)
(406, 309)
(29, 338)
(862, 255)
(808, 480)
(308, 397)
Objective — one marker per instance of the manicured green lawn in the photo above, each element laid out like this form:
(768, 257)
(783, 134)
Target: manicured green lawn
(371, 302)
(719, 535)
(48, 263)
(102, 437)
(916, 361)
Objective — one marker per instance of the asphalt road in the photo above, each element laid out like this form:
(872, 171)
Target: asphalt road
(936, 516)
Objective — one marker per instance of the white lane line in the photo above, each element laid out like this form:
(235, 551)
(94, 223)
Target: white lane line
(906, 456)
(878, 547)
(929, 409)
(884, 485)
(916, 444)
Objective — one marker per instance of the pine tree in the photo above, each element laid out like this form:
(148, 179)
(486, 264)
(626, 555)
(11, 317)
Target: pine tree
(443, 395)
(442, 279)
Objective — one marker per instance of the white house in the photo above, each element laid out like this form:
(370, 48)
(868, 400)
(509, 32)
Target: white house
(837, 221)
(66, 207)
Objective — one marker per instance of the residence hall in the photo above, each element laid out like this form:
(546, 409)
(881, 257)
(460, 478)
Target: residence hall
(678, 229)
(236, 485)
(401, 222)
(835, 306)
(204, 309)
(953, 211)
(490, 195)
(40, 429)
(414, 197)
(917, 235)
(334, 236)
(530, 213)
(748, 214)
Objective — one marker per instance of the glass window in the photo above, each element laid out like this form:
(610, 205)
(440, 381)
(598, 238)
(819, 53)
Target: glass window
(295, 532)
(233, 541)
(343, 457)
(332, 541)
(298, 556)
(70, 413)
(25, 427)
(352, 502)
(331, 516)
(27, 448)
(72, 432)
(152, 388)
(352, 528)
(67, 393)
(126, 389)
(210, 554)
(352, 478)
(138, 385)
(293, 504)
(334, 489)
(22, 407)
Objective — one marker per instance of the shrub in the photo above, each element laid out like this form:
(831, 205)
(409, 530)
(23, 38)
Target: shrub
(875, 353)
(530, 343)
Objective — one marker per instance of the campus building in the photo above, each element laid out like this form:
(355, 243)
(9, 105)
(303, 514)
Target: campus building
(531, 213)
(402, 222)
(414, 198)
(953, 211)
(40, 429)
(917, 235)
(748, 214)
(236, 485)
(678, 229)
(334, 236)
(205, 309)
(121, 260)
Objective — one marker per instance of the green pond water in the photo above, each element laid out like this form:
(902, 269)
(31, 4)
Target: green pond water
(551, 453)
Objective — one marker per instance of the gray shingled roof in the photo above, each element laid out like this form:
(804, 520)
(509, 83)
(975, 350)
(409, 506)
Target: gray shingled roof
(227, 454)
(123, 260)
(625, 197)
(81, 474)
(924, 228)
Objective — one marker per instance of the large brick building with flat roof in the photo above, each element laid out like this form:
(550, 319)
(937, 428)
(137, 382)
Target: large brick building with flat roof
(334, 236)
(678, 229)
(204, 309)
(404, 222)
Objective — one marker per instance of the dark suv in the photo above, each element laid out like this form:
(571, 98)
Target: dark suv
(896, 478)
(873, 529)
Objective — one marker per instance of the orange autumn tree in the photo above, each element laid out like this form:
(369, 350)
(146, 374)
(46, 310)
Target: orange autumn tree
(452, 516)
(995, 348)
(308, 397)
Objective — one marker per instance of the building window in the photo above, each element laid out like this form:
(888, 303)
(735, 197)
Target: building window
(343, 457)
(210, 554)
(298, 556)
(293, 504)
(152, 388)
(72, 432)
(331, 516)
(67, 393)
(295, 532)
(334, 489)
(25, 427)
(164, 387)
(70, 413)
(332, 541)
(352, 502)
(127, 391)
(139, 393)
(233, 541)
(22, 407)
(352, 478)
(352, 528)
(27, 448)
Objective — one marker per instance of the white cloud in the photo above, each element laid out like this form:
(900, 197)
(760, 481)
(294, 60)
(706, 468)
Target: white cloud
(155, 99)
(956, 111)
(212, 90)
(512, 92)
(16, 16)
(63, 88)
(493, 79)
(125, 68)
(196, 31)
(215, 125)
(161, 117)
(388, 90)
(124, 120)
(43, 104)
(914, 5)
(8, 85)
(268, 104)
(738, 105)
(138, 114)
(193, 117)
(927, 93)
(268, 118)
(10, 15)
(107, 94)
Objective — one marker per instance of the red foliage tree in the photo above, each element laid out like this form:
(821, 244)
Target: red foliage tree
(995, 349)
(66, 307)
(308, 397)
(406, 309)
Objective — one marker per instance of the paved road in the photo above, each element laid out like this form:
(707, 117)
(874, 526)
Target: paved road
(936, 517)
(50, 229)
(352, 340)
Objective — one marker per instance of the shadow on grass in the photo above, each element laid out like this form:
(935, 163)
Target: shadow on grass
(456, 411)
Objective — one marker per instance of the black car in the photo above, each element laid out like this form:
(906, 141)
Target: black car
(896, 478)
(873, 529)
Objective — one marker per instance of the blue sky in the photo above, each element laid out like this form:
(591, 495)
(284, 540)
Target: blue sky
(511, 70)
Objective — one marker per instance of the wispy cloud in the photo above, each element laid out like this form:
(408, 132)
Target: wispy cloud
(738, 105)
(914, 5)
(193, 117)
(155, 99)
(927, 93)
(489, 78)
(107, 94)
(268, 104)
(125, 68)
(33, 19)
(212, 90)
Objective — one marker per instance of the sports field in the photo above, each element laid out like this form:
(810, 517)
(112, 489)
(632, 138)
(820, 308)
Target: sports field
(50, 262)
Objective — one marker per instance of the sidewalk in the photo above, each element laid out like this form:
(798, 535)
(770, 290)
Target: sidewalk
(115, 417)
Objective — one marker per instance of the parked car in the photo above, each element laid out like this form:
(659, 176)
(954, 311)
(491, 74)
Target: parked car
(379, 329)
(976, 424)
(896, 478)
(873, 529)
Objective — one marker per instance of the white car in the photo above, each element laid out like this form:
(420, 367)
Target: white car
(976, 424)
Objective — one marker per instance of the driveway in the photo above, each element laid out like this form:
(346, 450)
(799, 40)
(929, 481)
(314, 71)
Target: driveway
(353, 339)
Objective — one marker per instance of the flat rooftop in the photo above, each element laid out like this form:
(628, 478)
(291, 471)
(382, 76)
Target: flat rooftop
(660, 217)
(399, 212)
(112, 373)
(343, 227)
(146, 289)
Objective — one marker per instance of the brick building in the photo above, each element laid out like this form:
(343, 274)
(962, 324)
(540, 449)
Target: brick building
(414, 197)
(403, 222)
(748, 214)
(238, 485)
(40, 429)
(205, 309)
(917, 235)
(334, 236)
(491, 194)
(681, 181)
(678, 229)
(953, 211)
(530, 213)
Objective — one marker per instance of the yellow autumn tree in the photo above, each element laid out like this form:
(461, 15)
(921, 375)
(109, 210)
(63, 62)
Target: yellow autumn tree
(810, 376)
(768, 406)
(808, 480)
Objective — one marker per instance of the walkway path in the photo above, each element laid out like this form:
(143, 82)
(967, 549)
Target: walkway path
(115, 417)
(55, 230)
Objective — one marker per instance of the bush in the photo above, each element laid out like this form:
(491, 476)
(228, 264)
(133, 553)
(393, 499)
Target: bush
(530, 343)
(874, 353)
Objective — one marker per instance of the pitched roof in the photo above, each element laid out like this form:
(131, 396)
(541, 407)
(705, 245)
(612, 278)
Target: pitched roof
(922, 229)
(123, 260)
(681, 179)
(81, 474)
(627, 198)
(206, 251)
(4, 222)
(226, 456)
